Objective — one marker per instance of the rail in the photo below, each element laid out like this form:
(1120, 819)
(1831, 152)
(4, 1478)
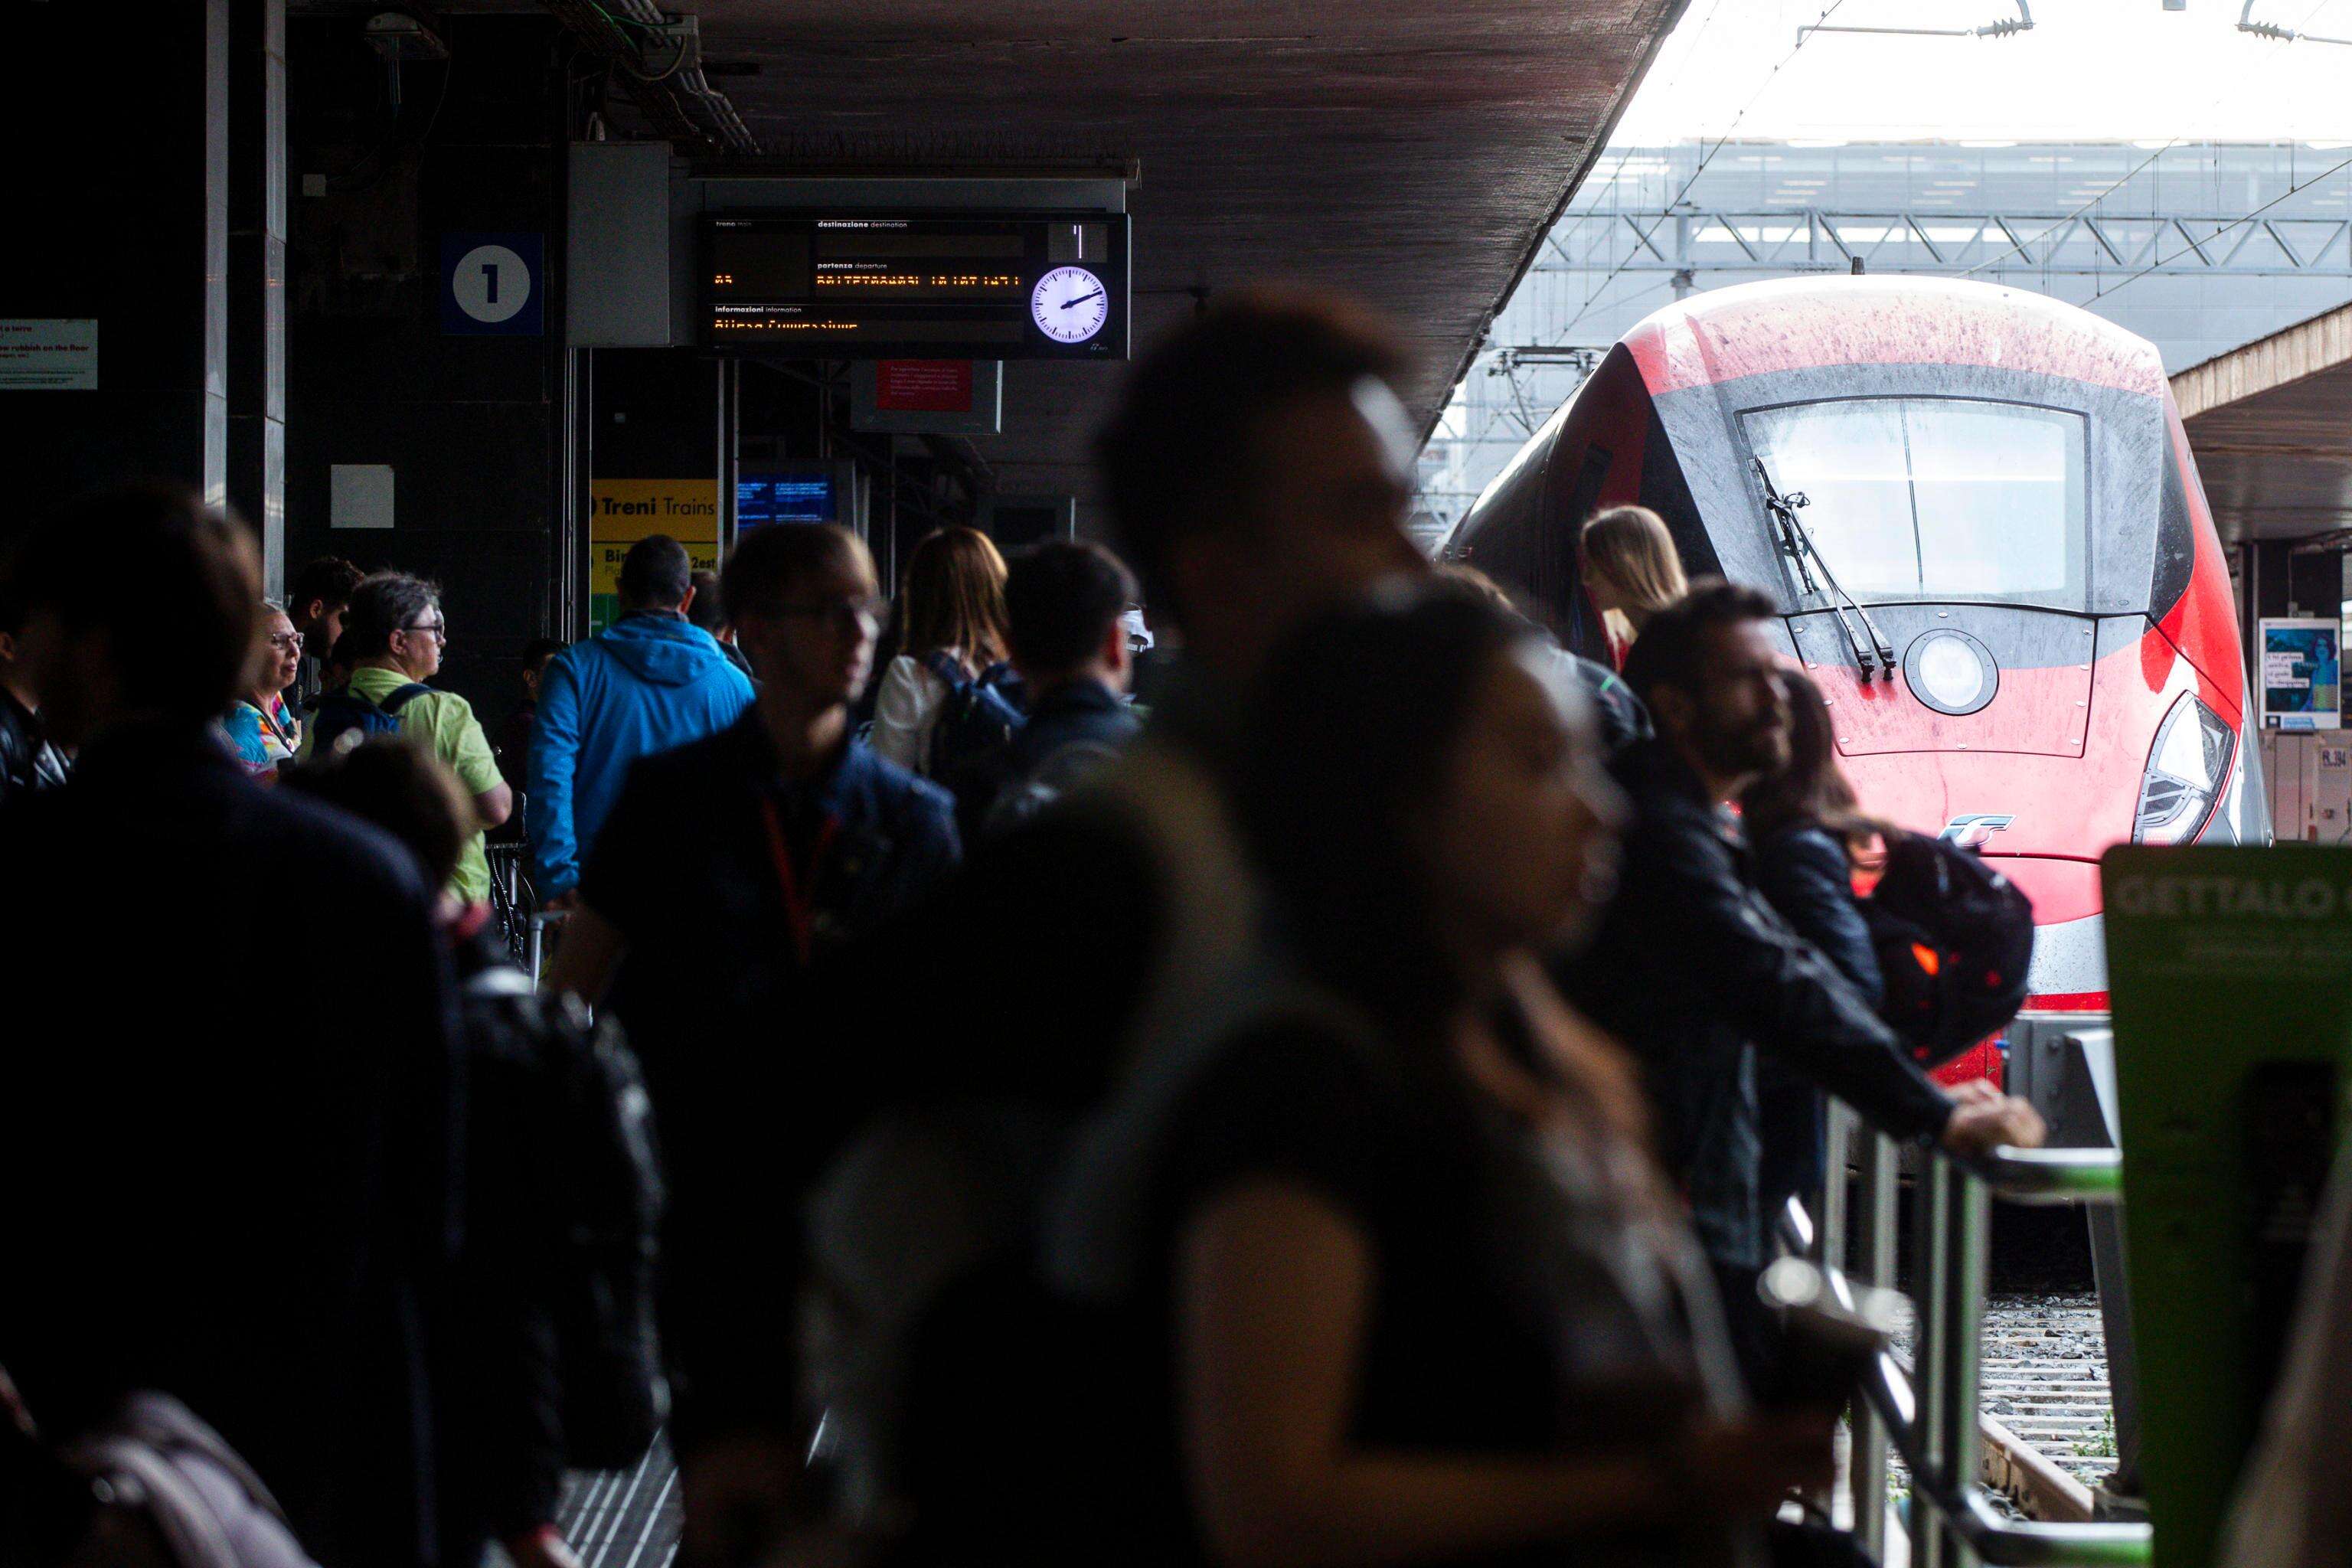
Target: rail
(1932, 1422)
(2051, 1176)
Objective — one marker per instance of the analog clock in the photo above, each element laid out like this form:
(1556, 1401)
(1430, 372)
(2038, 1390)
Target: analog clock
(1069, 304)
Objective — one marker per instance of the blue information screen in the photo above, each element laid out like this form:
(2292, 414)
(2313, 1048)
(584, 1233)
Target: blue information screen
(785, 495)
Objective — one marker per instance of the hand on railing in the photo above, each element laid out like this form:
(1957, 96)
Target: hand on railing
(1984, 1118)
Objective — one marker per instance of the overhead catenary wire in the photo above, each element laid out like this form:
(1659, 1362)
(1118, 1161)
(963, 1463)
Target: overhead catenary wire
(2024, 247)
(2007, 28)
(2246, 24)
(1708, 156)
(2234, 223)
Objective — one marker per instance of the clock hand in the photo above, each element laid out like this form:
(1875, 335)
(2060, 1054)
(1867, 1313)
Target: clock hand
(1082, 299)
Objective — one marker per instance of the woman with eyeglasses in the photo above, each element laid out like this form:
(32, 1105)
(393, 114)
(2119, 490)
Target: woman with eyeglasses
(262, 724)
(397, 632)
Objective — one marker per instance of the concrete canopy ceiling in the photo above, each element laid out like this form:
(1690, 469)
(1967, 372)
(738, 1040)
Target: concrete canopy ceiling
(2271, 426)
(1413, 152)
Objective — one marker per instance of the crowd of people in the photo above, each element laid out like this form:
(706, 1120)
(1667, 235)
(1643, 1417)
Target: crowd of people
(1333, 1116)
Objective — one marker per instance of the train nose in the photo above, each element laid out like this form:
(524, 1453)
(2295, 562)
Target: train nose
(2018, 681)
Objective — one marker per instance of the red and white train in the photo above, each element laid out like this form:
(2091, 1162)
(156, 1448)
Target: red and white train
(1977, 510)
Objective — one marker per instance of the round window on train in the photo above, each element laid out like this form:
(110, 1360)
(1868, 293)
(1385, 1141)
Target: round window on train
(1951, 672)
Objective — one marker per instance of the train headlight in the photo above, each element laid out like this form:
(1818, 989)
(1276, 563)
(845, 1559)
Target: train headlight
(1951, 672)
(2186, 769)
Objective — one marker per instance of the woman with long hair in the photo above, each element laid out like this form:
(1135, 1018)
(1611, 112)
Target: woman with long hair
(1427, 1297)
(1808, 835)
(1631, 571)
(952, 618)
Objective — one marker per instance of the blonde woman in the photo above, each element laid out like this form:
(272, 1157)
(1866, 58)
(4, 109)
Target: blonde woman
(1631, 571)
(954, 620)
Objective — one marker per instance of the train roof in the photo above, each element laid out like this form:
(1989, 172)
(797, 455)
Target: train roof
(1821, 322)
(1809, 324)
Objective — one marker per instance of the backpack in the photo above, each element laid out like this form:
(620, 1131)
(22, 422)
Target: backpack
(1954, 940)
(1622, 718)
(1059, 772)
(343, 710)
(149, 1487)
(976, 722)
(566, 1142)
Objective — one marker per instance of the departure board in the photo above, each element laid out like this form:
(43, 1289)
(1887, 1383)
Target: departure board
(890, 285)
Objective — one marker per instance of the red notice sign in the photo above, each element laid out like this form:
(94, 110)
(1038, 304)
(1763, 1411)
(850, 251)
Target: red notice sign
(922, 386)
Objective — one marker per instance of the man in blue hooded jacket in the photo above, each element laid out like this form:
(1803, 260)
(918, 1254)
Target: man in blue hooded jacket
(650, 683)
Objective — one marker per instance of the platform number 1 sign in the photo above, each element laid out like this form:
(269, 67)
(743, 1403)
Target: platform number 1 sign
(493, 285)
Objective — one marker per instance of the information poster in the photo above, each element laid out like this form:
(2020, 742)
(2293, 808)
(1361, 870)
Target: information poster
(621, 511)
(47, 354)
(2230, 970)
(2303, 674)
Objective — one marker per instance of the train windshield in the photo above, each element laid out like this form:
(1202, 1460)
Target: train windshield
(1938, 498)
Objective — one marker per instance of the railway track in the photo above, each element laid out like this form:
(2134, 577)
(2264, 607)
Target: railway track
(2045, 1378)
(2050, 1427)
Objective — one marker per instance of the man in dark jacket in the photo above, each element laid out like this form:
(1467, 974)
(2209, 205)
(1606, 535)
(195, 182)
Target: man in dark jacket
(1063, 604)
(708, 610)
(228, 1170)
(1694, 971)
(513, 744)
(315, 602)
(727, 878)
(1258, 469)
(653, 681)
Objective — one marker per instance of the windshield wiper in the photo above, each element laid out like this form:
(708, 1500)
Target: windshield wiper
(1796, 542)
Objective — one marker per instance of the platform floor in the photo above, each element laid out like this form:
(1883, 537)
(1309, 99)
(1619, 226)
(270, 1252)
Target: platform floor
(624, 1519)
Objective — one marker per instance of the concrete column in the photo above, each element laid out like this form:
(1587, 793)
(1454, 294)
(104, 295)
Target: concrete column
(256, 275)
(2316, 583)
(471, 425)
(2266, 589)
(120, 194)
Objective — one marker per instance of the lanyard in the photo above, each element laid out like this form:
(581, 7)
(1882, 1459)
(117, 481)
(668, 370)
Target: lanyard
(277, 731)
(800, 905)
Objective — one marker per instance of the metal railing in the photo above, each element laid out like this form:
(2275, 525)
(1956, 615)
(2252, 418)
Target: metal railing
(1930, 1418)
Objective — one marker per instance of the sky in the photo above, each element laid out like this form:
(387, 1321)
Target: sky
(2090, 70)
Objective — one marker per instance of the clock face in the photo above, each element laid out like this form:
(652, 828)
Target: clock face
(1069, 304)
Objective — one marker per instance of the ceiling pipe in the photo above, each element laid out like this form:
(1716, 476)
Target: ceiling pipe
(670, 89)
